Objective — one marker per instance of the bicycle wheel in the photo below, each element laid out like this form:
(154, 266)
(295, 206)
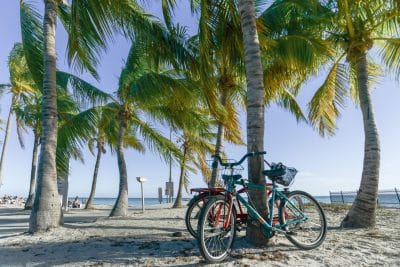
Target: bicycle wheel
(215, 241)
(193, 212)
(304, 220)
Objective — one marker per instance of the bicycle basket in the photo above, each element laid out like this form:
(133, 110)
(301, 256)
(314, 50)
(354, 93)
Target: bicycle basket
(281, 174)
(222, 170)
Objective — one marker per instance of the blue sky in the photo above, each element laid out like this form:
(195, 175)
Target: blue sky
(324, 164)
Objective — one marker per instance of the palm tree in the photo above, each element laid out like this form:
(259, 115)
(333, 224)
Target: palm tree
(107, 133)
(144, 90)
(221, 61)
(75, 127)
(89, 24)
(220, 42)
(255, 112)
(21, 84)
(100, 143)
(195, 146)
(353, 29)
(28, 113)
(221, 45)
(46, 212)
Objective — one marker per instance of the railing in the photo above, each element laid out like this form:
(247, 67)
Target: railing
(388, 198)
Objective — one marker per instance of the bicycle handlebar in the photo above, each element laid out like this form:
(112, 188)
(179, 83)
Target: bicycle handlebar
(226, 164)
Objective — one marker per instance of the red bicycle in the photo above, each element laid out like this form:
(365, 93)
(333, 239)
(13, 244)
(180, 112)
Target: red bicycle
(200, 200)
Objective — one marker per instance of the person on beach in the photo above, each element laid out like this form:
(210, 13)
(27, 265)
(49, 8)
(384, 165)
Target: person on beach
(76, 203)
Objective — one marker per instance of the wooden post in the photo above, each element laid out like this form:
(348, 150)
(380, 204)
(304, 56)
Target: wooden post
(160, 198)
(341, 193)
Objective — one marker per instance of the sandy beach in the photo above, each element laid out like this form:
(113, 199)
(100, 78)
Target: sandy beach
(90, 238)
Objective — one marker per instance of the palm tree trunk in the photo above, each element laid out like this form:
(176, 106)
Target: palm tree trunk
(255, 114)
(219, 142)
(6, 137)
(46, 210)
(89, 203)
(121, 205)
(362, 212)
(178, 200)
(63, 185)
(29, 201)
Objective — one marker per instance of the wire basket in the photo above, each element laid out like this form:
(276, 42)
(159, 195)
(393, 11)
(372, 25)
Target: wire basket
(222, 170)
(286, 178)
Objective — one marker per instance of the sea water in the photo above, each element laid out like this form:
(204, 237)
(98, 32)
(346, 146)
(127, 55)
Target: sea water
(388, 201)
(133, 202)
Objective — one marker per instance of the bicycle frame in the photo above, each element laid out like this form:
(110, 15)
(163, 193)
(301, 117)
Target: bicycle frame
(241, 214)
(265, 224)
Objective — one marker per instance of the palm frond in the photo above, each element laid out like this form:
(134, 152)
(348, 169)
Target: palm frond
(288, 101)
(232, 133)
(168, 11)
(20, 129)
(132, 142)
(72, 135)
(91, 143)
(155, 141)
(83, 91)
(3, 87)
(325, 104)
(32, 40)
(390, 53)
(160, 86)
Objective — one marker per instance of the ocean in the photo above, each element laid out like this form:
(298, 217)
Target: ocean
(133, 202)
(137, 202)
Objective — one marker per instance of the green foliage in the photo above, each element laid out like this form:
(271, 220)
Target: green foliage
(32, 40)
(334, 35)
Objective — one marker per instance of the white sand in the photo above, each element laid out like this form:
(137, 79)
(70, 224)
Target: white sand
(93, 239)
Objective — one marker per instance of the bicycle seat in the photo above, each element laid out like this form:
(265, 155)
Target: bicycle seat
(234, 177)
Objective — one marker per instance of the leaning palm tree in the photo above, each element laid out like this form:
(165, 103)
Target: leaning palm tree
(75, 127)
(21, 85)
(89, 24)
(195, 146)
(143, 91)
(353, 29)
(221, 61)
(99, 140)
(107, 133)
(28, 113)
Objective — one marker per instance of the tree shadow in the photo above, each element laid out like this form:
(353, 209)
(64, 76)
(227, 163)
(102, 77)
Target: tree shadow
(119, 250)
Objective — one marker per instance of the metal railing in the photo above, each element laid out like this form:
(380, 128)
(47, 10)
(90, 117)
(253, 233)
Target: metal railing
(388, 198)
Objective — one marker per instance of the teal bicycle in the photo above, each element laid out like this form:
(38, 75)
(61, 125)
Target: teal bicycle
(300, 217)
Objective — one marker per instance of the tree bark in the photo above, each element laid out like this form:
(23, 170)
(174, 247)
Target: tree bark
(121, 205)
(178, 200)
(219, 144)
(6, 137)
(63, 185)
(362, 212)
(29, 201)
(255, 115)
(89, 203)
(46, 211)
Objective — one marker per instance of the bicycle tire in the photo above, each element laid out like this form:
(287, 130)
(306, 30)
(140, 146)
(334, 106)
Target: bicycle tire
(191, 219)
(210, 233)
(297, 225)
